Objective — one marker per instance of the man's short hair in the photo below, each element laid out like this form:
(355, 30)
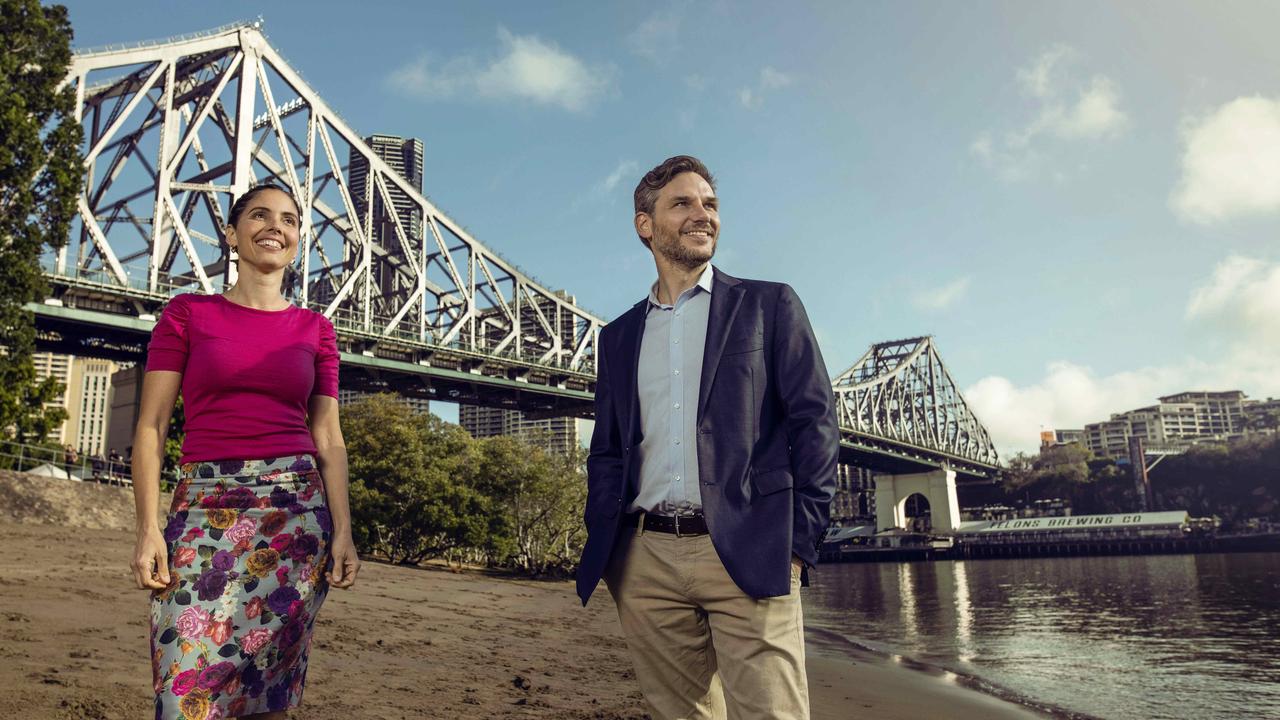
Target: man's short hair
(646, 196)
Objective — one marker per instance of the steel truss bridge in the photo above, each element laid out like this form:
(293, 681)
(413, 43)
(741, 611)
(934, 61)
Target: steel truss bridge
(899, 410)
(175, 129)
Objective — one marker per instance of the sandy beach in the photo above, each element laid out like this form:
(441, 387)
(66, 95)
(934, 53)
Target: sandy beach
(405, 643)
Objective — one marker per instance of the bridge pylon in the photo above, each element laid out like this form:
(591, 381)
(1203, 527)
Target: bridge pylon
(936, 487)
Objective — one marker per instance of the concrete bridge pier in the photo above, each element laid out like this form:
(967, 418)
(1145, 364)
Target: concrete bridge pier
(938, 488)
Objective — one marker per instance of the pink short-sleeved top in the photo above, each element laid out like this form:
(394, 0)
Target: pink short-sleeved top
(247, 375)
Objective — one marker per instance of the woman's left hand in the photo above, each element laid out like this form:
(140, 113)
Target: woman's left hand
(345, 563)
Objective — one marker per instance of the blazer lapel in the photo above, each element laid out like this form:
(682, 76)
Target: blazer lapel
(726, 296)
(627, 381)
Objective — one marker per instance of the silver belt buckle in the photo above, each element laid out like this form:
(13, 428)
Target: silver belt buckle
(676, 519)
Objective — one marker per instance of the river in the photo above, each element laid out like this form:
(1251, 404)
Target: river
(1159, 637)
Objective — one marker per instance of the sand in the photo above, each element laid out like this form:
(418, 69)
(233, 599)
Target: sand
(405, 643)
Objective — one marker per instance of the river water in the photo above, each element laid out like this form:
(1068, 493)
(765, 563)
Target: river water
(1164, 637)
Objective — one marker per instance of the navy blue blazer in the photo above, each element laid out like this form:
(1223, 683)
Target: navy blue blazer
(767, 436)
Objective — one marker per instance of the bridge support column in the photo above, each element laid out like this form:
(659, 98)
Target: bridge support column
(938, 487)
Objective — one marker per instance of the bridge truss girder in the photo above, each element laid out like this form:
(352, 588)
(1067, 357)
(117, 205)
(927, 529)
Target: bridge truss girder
(898, 406)
(175, 130)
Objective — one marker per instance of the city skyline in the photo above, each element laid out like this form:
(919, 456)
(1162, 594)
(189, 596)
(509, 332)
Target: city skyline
(1062, 207)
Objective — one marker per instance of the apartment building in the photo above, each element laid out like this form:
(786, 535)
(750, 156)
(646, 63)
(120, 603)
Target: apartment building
(1182, 418)
(86, 396)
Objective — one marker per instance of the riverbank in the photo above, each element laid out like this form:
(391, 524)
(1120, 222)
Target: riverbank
(406, 643)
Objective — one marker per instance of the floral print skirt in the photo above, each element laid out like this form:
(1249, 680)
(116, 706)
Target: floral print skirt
(248, 543)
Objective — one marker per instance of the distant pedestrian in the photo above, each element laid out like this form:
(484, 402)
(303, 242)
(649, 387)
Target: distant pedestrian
(99, 465)
(70, 459)
(115, 463)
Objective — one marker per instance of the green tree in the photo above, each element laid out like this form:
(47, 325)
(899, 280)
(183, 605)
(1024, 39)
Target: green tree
(410, 499)
(173, 442)
(1070, 472)
(541, 498)
(1235, 482)
(40, 175)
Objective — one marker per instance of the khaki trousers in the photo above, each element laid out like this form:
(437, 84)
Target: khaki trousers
(701, 647)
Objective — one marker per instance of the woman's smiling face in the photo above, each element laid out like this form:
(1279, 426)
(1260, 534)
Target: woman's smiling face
(266, 234)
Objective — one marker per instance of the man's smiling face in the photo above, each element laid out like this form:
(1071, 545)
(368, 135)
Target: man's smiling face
(685, 222)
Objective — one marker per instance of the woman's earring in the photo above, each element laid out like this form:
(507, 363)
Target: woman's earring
(234, 252)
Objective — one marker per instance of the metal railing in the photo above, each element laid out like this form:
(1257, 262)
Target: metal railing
(54, 463)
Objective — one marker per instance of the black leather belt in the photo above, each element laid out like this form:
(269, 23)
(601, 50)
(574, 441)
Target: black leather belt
(678, 525)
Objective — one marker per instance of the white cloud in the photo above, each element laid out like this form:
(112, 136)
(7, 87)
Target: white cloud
(1066, 109)
(624, 170)
(770, 80)
(1037, 78)
(1068, 396)
(1231, 162)
(657, 38)
(943, 297)
(1095, 114)
(1240, 299)
(528, 68)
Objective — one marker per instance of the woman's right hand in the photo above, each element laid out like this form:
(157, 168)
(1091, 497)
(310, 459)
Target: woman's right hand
(151, 561)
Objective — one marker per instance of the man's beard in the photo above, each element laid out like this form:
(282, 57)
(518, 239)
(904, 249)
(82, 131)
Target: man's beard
(689, 258)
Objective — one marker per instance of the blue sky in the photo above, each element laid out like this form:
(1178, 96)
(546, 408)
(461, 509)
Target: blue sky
(1080, 201)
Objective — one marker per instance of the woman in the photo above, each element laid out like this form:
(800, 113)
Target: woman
(260, 511)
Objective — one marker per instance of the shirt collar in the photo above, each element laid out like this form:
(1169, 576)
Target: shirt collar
(704, 282)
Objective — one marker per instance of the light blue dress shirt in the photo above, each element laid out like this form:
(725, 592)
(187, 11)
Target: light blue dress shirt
(668, 379)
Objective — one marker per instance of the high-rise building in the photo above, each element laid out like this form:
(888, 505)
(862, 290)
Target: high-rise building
(55, 365)
(89, 398)
(126, 397)
(404, 155)
(555, 435)
(86, 397)
(416, 404)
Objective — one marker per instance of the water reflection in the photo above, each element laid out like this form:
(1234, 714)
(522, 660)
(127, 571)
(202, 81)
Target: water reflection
(906, 600)
(964, 613)
(1155, 636)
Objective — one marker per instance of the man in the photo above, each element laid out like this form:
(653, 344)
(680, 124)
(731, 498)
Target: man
(70, 459)
(711, 469)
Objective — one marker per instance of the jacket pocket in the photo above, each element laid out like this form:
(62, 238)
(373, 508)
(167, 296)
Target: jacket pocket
(767, 482)
(603, 507)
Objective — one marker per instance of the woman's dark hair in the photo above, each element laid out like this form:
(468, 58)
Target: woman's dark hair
(646, 196)
(237, 207)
